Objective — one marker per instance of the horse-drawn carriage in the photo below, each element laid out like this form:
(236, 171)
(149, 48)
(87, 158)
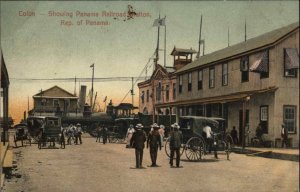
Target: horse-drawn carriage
(194, 143)
(46, 129)
(21, 134)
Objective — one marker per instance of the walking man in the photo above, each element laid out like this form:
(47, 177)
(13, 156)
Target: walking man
(210, 140)
(175, 144)
(138, 142)
(154, 141)
(98, 132)
(104, 134)
(79, 132)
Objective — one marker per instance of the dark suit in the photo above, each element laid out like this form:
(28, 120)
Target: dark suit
(175, 144)
(154, 141)
(138, 142)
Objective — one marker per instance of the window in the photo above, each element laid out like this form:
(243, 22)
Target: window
(55, 102)
(180, 84)
(264, 118)
(265, 74)
(291, 62)
(225, 74)
(211, 77)
(200, 74)
(167, 92)
(158, 92)
(189, 81)
(244, 67)
(174, 91)
(143, 96)
(289, 117)
(147, 96)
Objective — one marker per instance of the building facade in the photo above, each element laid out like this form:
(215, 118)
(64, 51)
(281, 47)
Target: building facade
(161, 87)
(256, 81)
(54, 100)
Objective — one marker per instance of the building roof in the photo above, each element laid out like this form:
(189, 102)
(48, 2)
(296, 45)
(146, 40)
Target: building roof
(55, 92)
(241, 48)
(179, 51)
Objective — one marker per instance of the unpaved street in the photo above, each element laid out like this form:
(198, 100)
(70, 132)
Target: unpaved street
(96, 167)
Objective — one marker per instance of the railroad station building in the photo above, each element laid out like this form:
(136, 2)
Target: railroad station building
(252, 82)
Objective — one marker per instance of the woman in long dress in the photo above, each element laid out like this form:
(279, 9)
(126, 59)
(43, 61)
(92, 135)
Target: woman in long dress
(129, 133)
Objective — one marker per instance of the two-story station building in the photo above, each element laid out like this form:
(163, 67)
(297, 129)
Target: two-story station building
(256, 81)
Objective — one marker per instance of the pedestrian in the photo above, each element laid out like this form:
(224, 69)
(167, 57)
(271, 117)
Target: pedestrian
(98, 132)
(138, 142)
(259, 133)
(75, 134)
(79, 132)
(129, 133)
(104, 134)
(161, 131)
(234, 135)
(154, 141)
(70, 134)
(208, 133)
(175, 144)
(284, 135)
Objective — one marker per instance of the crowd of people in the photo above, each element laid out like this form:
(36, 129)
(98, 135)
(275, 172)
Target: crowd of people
(137, 137)
(73, 134)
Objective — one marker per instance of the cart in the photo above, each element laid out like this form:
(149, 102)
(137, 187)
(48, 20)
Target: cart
(49, 133)
(194, 144)
(21, 134)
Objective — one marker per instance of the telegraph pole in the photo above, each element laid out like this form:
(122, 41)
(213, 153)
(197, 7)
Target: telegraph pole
(132, 93)
(92, 90)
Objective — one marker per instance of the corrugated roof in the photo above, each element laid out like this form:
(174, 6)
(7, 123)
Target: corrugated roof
(256, 42)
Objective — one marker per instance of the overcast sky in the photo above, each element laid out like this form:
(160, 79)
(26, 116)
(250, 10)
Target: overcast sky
(40, 47)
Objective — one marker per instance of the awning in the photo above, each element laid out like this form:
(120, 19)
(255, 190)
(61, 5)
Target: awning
(217, 99)
(261, 63)
(291, 58)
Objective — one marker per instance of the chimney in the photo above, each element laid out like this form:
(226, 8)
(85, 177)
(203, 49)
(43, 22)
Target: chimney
(82, 96)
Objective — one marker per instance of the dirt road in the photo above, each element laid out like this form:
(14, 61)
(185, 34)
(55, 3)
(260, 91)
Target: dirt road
(96, 167)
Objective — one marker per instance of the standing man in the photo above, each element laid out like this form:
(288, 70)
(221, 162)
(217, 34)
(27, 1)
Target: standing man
(98, 132)
(284, 135)
(234, 136)
(175, 144)
(104, 134)
(210, 140)
(138, 142)
(79, 131)
(154, 140)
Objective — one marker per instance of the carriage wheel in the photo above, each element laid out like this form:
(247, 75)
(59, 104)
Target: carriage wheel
(167, 148)
(194, 149)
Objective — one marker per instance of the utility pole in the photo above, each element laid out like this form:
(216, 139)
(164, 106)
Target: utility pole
(92, 90)
(198, 54)
(132, 92)
(157, 48)
(165, 43)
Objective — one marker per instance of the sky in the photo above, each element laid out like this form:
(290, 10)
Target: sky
(45, 46)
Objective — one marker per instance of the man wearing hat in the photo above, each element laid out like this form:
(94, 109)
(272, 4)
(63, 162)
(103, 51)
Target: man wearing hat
(138, 142)
(284, 135)
(175, 144)
(154, 141)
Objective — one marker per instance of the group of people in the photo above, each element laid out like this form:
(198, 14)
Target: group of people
(73, 133)
(154, 141)
(102, 132)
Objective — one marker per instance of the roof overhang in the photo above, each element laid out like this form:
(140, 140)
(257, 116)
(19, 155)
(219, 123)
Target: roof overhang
(240, 96)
